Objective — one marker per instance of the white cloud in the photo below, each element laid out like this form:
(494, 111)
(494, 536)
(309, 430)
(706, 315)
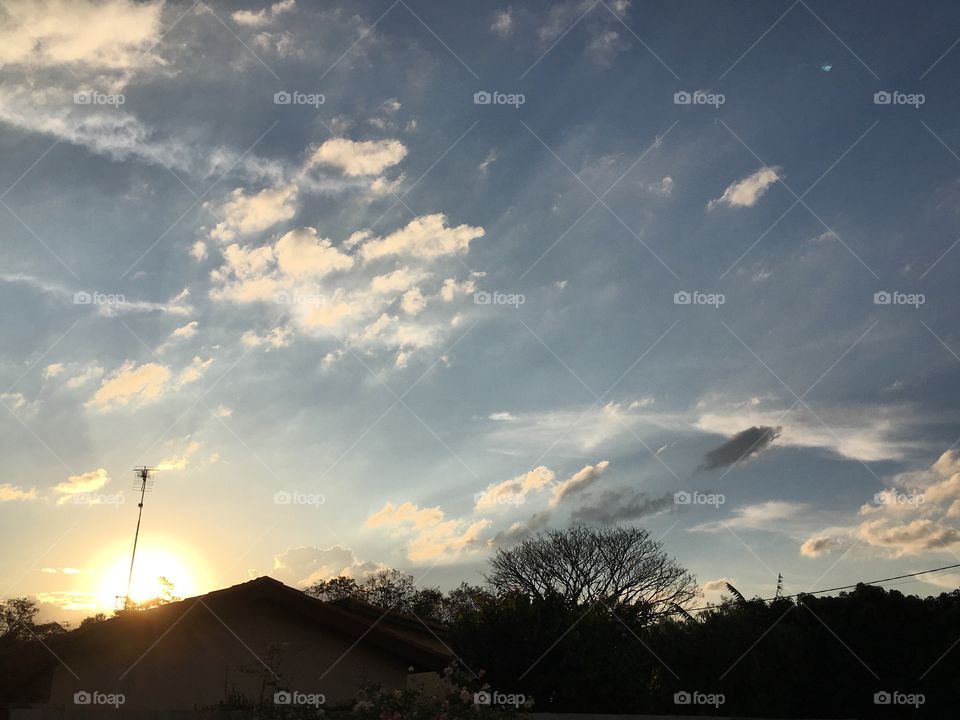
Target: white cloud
(515, 490)
(182, 333)
(264, 16)
(358, 158)
(248, 214)
(76, 484)
(301, 253)
(11, 493)
(664, 187)
(577, 482)
(424, 237)
(430, 536)
(52, 370)
(131, 384)
(106, 35)
(502, 23)
(306, 565)
(769, 515)
(818, 546)
(746, 192)
(413, 302)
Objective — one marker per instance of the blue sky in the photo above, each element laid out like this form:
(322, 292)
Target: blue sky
(263, 297)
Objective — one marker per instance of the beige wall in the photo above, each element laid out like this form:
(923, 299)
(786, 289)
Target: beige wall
(200, 660)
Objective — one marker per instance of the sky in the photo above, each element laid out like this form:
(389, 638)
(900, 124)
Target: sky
(384, 284)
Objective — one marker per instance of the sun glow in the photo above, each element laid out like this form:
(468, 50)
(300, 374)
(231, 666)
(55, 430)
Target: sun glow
(154, 564)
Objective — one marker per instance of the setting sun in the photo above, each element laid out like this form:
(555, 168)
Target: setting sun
(153, 565)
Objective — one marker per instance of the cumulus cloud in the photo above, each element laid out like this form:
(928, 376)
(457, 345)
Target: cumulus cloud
(245, 214)
(519, 530)
(746, 192)
(306, 565)
(182, 333)
(429, 535)
(578, 482)
(303, 253)
(264, 16)
(132, 384)
(745, 444)
(106, 35)
(424, 237)
(358, 158)
(817, 546)
(11, 493)
(76, 484)
(720, 584)
(515, 490)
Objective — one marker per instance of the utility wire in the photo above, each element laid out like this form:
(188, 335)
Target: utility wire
(825, 590)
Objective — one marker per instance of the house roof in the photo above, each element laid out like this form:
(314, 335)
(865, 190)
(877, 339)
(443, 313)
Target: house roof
(26, 669)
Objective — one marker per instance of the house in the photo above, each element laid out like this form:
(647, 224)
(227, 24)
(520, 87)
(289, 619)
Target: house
(243, 643)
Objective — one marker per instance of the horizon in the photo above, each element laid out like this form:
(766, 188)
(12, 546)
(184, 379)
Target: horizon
(381, 285)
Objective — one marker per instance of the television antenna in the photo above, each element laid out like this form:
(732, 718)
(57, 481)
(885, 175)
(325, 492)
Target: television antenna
(144, 484)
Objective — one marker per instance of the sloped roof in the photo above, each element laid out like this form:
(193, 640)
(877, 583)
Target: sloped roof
(26, 669)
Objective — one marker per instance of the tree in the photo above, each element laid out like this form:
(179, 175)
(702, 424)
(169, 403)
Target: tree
(622, 568)
(18, 621)
(385, 589)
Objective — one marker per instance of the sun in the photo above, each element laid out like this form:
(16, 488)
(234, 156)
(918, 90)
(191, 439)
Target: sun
(154, 565)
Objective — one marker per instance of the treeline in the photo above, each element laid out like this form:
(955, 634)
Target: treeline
(559, 624)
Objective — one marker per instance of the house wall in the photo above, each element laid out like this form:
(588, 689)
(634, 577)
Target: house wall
(204, 658)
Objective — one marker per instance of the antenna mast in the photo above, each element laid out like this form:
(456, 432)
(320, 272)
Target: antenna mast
(143, 483)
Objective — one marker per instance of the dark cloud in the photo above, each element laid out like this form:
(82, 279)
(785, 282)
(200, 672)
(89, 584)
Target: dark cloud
(621, 504)
(744, 444)
(520, 530)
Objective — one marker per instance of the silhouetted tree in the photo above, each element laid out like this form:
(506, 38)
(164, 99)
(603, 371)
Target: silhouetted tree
(619, 567)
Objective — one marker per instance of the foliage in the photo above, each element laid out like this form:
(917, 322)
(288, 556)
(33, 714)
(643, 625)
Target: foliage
(460, 696)
(621, 567)
(18, 622)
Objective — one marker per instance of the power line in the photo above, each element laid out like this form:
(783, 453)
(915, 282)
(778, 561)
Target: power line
(825, 590)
